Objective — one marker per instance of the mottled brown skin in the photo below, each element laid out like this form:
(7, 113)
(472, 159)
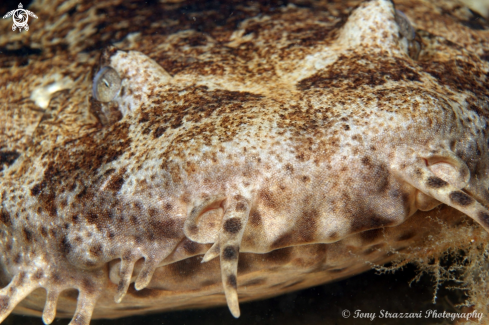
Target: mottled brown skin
(299, 146)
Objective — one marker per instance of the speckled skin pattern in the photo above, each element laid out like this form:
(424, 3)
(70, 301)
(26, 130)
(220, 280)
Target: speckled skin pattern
(254, 149)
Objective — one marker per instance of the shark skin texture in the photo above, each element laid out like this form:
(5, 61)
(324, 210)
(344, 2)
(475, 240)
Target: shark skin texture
(221, 152)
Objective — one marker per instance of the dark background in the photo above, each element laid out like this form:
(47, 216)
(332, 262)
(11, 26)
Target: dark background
(368, 292)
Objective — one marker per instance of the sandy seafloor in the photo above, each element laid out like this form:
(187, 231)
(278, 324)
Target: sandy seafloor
(367, 292)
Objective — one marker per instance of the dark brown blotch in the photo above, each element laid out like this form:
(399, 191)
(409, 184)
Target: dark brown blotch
(232, 225)
(21, 278)
(460, 75)
(232, 281)
(407, 235)
(36, 189)
(370, 236)
(484, 218)
(460, 198)
(353, 72)
(240, 206)
(279, 256)
(57, 278)
(17, 258)
(168, 207)
(166, 228)
(365, 221)
(283, 241)
(8, 158)
(68, 294)
(4, 303)
(92, 217)
(255, 282)
(47, 202)
(190, 246)
(333, 236)
(207, 283)
(153, 213)
(116, 183)
(418, 172)
(307, 225)
(269, 200)
(186, 268)
(289, 168)
(65, 246)
(476, 21)
(39, 274)
(230, 253)
(27, 234)
(96, 250)
(193, 229)
(435, 182)
(366, 161)
(88, 286)
(5, 217)
(160, 130)
(255, 218)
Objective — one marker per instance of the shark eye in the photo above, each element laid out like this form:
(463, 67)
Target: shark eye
(405, 27)
(106, 85)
